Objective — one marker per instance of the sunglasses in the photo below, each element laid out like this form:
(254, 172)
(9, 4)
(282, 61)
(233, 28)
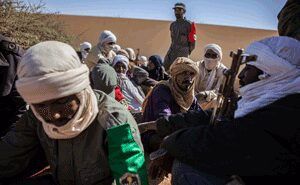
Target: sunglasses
(211, 55)
(111, 43)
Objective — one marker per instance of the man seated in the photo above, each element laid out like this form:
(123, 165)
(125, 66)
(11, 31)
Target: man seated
(82, 132)
(210, 76)
(170, 97)
(262, 140)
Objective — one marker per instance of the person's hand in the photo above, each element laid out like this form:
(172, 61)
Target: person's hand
(201, 96)
(160, 164)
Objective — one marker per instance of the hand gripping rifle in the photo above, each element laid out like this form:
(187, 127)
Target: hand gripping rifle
(226, 100)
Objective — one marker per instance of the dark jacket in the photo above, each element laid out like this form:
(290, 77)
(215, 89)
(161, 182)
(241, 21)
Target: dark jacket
(79, 160)
(158, 73)
(12, 106)
(263, 143)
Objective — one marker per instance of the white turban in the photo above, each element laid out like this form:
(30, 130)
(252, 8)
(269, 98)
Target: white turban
(120, 58)
(143, 59)
(116, 48)
(131, 53)
(279, 59)
(50, 70)
(107, 36)
(216, 48)
(85, 45)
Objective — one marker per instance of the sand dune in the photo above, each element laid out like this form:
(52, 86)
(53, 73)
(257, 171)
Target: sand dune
(153, 37)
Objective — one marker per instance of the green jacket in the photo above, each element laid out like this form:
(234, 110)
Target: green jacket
(83, 159)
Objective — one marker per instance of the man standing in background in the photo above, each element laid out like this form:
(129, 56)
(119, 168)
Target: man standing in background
(183, 36)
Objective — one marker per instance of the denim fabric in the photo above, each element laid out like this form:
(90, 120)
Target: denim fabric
(183, 174)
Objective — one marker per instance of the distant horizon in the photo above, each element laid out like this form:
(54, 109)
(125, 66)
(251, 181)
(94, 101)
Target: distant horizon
(148, 19)
(257, 14)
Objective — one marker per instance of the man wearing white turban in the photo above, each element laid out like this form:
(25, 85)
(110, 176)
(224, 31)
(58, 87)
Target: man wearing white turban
(103, 51)
(210, 76)
(81, 131)
(262, 142)
(85, 48)
(132, 95)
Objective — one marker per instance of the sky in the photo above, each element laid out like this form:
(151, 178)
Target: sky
(261, 14)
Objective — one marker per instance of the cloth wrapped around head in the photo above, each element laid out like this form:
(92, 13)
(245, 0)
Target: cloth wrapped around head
(183, 98)
(183, 64)
(106, 37)
(279, 59)
(85, 45)
(131, 54)
(51, 70)
(216, 48)
(121, 58)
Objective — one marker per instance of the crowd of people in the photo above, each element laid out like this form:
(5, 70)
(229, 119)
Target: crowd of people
(72, 117)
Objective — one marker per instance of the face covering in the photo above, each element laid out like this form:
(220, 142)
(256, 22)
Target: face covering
(84, 54)
(107, 47)
(210, 63)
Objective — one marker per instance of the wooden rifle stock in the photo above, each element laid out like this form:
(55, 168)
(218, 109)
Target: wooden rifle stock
(226, 101)
(145, 126)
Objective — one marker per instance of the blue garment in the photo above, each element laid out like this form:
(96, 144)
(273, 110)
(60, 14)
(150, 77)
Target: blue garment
(183, 174)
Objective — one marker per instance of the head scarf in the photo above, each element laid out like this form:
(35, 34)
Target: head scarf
(209, 64)
(158, 72)
(183, 98)
(106, 37)
(143, 61)
(51, 70)
(288, 19)
(279, 59)
(131, 54)
(123, 52)
(85, 45)
(116, 48)
(121, 58)
(105, 49)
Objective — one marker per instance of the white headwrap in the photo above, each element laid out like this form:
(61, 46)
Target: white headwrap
(51, 70)
(121, 58)
(216, 48)
(279, 58)
(131, 53)
(85, 45)
(116, 48)
(107, 36)
(144, 61)
(216, 64)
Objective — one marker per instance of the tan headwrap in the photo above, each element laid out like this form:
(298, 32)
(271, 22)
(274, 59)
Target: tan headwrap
(183, 98)
(51, 70)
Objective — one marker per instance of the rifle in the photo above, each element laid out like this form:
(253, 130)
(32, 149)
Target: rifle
(226, 99)
(145, 126)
